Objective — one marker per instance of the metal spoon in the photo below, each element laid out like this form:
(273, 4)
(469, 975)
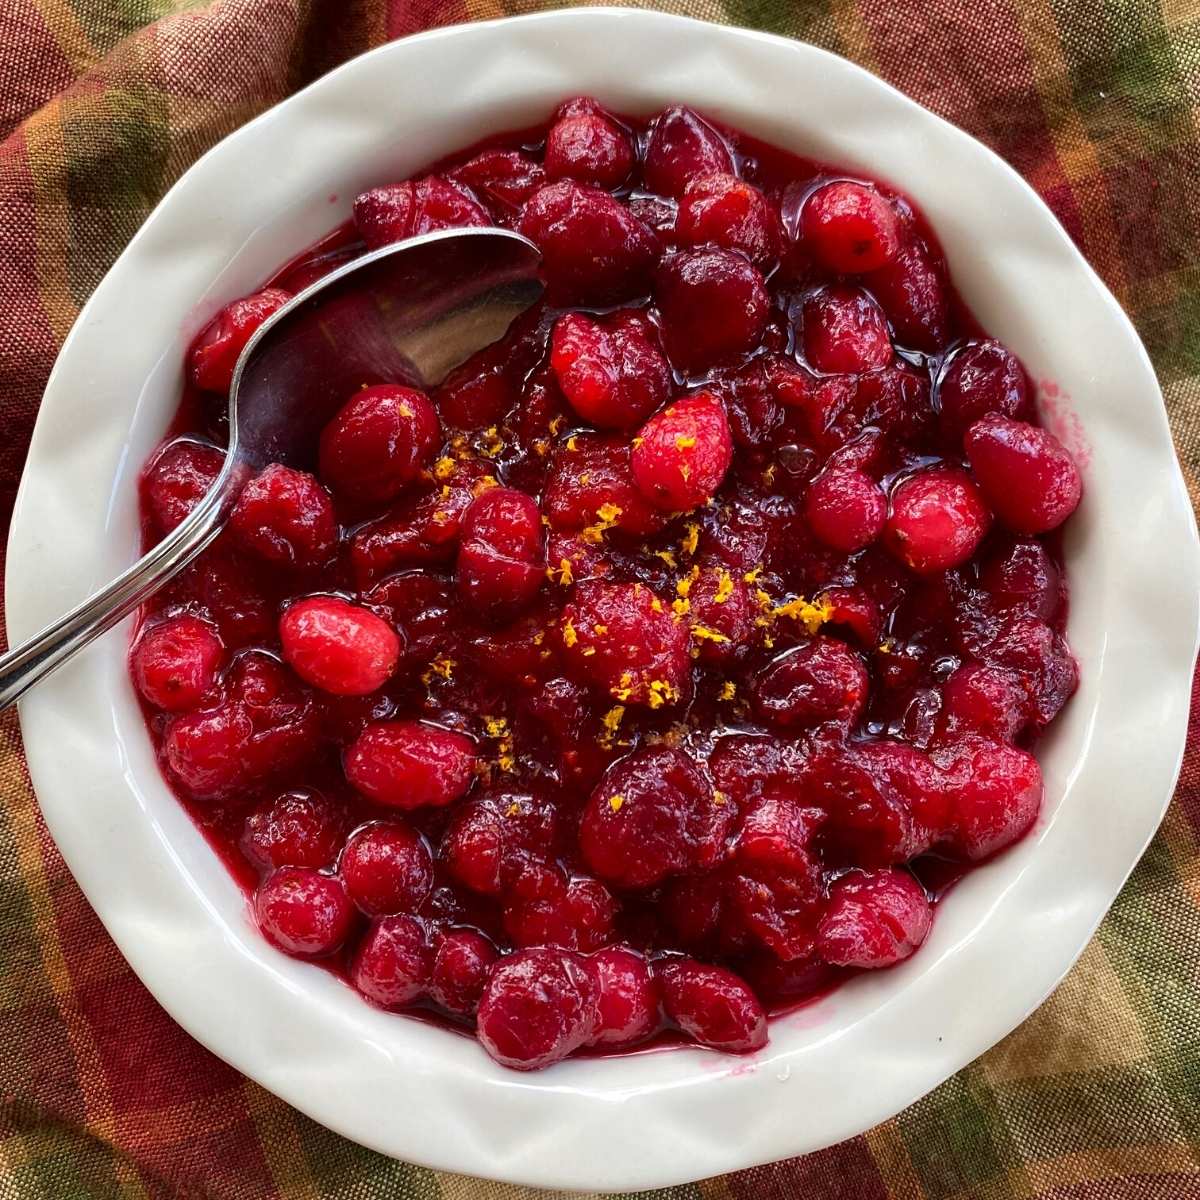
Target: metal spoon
(407, 313)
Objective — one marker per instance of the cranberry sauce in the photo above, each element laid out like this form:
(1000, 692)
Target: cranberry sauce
(664, 665)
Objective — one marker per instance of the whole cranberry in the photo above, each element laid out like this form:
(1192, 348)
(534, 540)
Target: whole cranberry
(298, 828)
(682, 146)
(587, 145)
(680, 456)
(845, 331)
(855, 610)
(714, 306)
(339, 647)
(823, 680)
(403, 210)
(378, 443)
(983, 699)
(652, 815)
(628, 1006)
(1021, 575)
(177, 479)
(845, 509)
(874, 919)
(980, 379)
(495, 838)
(391, 965)
(721, 613)
(722, 210)
(537, 1007)
(712, 1005)
(912, 290)
(1027, 474)
(214, 354)
(594, 250)
(938, 519)
(777, 909)
(206, 750)
(302, 912)
(850, 228)
(777, 833)
(410, 764)
(175, 662)
(460, 969)
(285, 517)
(610, 372)
(577, 916)
(507, 177)
(501, 563)
(387, 868)
(591, 483)
(284, 719)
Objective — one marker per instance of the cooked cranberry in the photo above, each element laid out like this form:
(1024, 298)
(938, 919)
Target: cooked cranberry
(681, 455)
(854, 610)
(712, 1005)
(776, 833)
(722, 210)
(591, 487)
(652, 815)
(460, 969)
(983, 699)
(747, 767)
(205, 750)
(501, 564)
(577, 916)
(285, 517)
(938, 519)
(304, 913)
(622, 637)
(912, 291)
(282, 714)
(378, 442)
(874, 919)
(714, 306)
(627, 1009)
(850, 228)
(590, 147)
(387, 868)
(537, 1007)
(391, 966)
(610, 372)
(683, 146)
(1041, 658)
(1027, 474)
(982, 378)
(789, 983)
(1022, 575)
(845, 331)
(404, 210)
(177, 479)
(594, 250)
(777, 909)
(845, 509)
(298, 828)
(506, 176)
(340, 647)
(410, 764)
(214, 354)
(175, 662)
(721, 614)
(823, 680)
(495, 838)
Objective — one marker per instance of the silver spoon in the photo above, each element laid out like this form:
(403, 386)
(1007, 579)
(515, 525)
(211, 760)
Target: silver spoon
(407, 313)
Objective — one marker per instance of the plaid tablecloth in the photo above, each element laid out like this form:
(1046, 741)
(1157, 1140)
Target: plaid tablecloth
(103, 103)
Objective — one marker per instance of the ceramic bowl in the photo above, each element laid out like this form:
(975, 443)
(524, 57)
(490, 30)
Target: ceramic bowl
(1004, 936)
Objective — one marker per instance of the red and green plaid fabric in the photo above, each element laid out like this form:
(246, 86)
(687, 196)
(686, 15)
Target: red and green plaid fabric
(102, 104)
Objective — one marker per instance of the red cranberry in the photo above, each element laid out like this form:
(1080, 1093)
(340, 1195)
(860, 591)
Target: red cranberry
(823, 680)
(177, 480)
(284, 719)
(776, 833)
(714, 306)
(1027, 474)
(721, 210)
(912, 291)
(627, 1008)
(577, 917)
(391, 966)
(1022, 575)
(721, 613)
(874, 919)
(501, 564)
(712, 1005)
(594, 250)
(304, 913)
(205, 749)
(622, 638)
(403, 210)
(505, 176)
(845, 331)
(298, 828)
(285, 517)
(986, 700)
(591, 486)
(214, 354)
(175, 662)
(460, 970)
(938, 519)
(340, 647)
(748, 767)
(590, 147)
(387, 868)
(409, 764)
(609, 371)
(494, 839)
(537, 1007)
(850, 228)
(378, 443)
(681, 147)
(980, 379)
(778, 909)
(854, 610)
(788, 983)
(845, 509)
(681, 455)
(652, 815)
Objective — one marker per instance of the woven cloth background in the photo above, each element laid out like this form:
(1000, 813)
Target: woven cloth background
(102, 104)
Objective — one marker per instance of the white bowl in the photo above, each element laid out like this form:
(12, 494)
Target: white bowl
(1003, 938)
